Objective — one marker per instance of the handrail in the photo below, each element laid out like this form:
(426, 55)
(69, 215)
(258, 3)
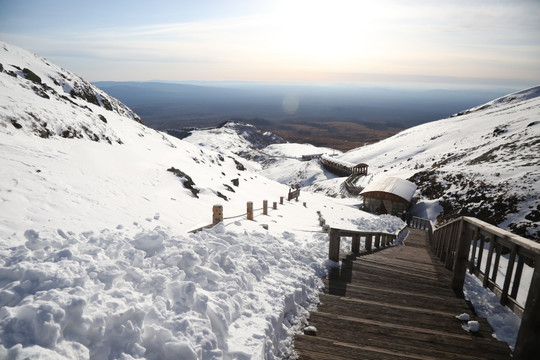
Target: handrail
(461, 243)
(373, 239)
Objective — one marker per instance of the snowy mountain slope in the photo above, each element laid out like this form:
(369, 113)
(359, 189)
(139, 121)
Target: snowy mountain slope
(510, 99)
(234, 137)
(65, 96)
(483, 163)
(276, 159)
(95, 258)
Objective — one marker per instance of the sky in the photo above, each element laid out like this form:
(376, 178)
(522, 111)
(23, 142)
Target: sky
(463, 43)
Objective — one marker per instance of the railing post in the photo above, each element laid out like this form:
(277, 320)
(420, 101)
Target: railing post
(333, 249)
(378, 241)
(452, 245)
(217, 214)
(475, 240)
(265, 207)
(250, 210)
(527, 344)
(355, 246)
(369, 239)
(508, 277)
(485, 282)
(461, 257)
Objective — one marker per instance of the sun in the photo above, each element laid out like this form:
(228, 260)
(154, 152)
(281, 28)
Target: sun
(326, 30)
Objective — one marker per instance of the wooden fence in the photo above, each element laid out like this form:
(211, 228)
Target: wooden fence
(373, 240)
(461, 245)
(217, 210)
(293, 194)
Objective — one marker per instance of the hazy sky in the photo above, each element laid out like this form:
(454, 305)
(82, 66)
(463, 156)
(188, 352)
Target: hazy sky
(487, 43)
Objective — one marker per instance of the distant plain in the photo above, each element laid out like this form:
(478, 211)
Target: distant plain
(342, 117)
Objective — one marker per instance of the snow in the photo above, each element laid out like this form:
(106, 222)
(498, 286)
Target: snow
(393, 185)
(96, 257)
(486, 304)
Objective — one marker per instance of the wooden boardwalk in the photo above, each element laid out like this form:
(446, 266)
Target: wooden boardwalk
(396, 303)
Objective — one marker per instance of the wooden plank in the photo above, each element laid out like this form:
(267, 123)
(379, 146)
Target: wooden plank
(400, 314)
(370, 293)
(428, 342)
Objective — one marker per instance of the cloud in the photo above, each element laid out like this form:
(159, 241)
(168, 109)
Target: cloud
(311, 39)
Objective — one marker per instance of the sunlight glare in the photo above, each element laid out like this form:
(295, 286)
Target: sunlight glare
(329, 30)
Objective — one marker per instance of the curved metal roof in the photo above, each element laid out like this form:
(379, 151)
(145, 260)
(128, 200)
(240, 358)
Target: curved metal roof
(393, 185)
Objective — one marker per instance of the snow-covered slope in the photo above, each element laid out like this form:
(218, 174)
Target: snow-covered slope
(95, 256)
(276, 159)
(73, 107)
(483, 163)
(234, 137)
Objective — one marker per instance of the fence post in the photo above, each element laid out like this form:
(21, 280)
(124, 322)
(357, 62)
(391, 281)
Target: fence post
(378, 241)
(450, 250)
(250, 210)
(217, 214)
(274, 205)
(527, 344)
(265, 207)
(369, 239)
(461, 257)
(281, 200)
(355, 246)
(333, 248)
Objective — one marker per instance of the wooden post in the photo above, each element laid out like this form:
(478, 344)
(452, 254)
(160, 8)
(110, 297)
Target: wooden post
(485, 282)
(384, 240)
(369, 239)
(461, 257)
(527, 344)
(508, 278)
(451, 245)
(333, 249)
(378, 241)
(355, 246)
(305, 204)
(474, 239)
(217, 214)
(250, 210)
(265, 207)
(274, 205)
(281, 200)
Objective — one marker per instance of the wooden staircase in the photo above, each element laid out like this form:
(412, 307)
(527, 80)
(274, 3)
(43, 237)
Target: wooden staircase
(396, 303)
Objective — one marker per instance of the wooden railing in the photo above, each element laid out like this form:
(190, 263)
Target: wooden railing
(461, 244)
(293, 194)
(373, 240)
